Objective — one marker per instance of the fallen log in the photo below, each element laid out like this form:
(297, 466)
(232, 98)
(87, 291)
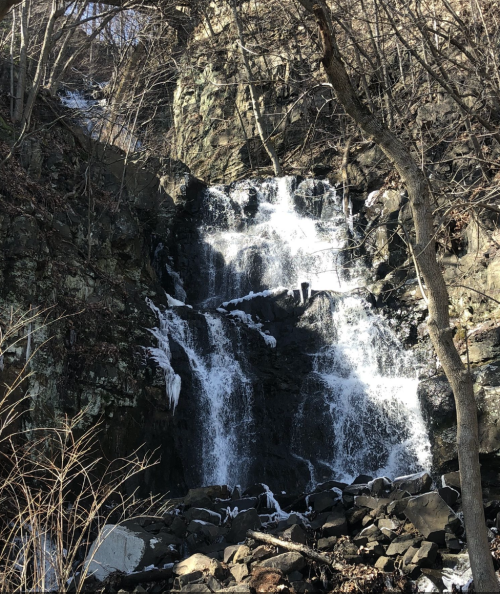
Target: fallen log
(295, 546)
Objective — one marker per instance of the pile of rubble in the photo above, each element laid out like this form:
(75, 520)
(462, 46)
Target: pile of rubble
(374, 535)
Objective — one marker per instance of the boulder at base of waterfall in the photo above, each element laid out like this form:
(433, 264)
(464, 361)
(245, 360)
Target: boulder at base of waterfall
(287, 562)
(203, 497)
(431, 516)
(415, 484)
(205, 515)
(125, 549)
(241, 504)
(295, 534)
(247, 520)
(199, 562)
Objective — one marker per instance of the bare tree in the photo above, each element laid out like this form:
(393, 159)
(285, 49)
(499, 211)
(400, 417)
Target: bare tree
(438, 321)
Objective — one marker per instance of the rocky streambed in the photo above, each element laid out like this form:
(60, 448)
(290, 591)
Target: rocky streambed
(374, 535)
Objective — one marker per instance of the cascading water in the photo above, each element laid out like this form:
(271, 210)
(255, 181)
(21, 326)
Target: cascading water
(362, 390)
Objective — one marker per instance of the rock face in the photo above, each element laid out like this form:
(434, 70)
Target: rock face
(432, 517)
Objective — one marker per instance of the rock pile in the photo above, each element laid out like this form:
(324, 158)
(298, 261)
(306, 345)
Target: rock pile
(375, 532)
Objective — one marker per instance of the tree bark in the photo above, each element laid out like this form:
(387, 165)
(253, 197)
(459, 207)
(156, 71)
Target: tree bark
(254, 96)
(440, 332)
(23, 64)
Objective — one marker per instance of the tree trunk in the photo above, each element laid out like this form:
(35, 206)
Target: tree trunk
(23, 64)
(440, 332)
(259, 116)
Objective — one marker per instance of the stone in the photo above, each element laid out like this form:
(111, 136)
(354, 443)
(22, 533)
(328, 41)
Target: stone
(242, 552)
(335, 525)
(431, 516)
(388, 523)
(324, 501)
(199, 562)
(195, 588)
(388, 535)
(370, 502)
(241, 504)
(209, 531)
(229, 553)
(205, 515)
(374, 548)
(370, 532)
(244, 521)
(426, 554)
(325, 544)
(204, 494)
(397, 507)
(380, 485)
(412, 571)
(362, 479)
(190, 578)
(239, 571)
(415, 484)
(385, 564)
(401, 544)
(452, 479)
(409, 555)
(355, 515)
(286, 562)
(121, 548)
(261, 552)
(255, 490)
(449, 495)
(452, 542)
(330, 485)
(350, 492)
(295, 534)
(178, 527)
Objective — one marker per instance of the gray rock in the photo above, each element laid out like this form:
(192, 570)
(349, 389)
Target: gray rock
(388, 523)
(241, 554)
(229, 553)
(374, 548)
(370, 502)
(199, 562)
(325, 544)
(209, 531)
(239, 571)
(431, 516)
(449, 495)
(385, 564)
(178, 527)
(286, 562)
(380, 485)
(370, 532)
(121, 548)
(241, 504)
(397, 507)
(247, 520)
(415, 484)
(355, 515)
(452, 479)
(388, 535)
(426, 554)
(401, 544)
(190, 578)
(335, 526)
(195, 588)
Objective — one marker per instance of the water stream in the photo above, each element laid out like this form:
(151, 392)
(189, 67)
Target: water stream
(362, 391)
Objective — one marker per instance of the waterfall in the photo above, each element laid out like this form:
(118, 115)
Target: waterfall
(362, 389)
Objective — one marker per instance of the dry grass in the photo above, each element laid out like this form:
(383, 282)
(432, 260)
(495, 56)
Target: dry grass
(54, 493)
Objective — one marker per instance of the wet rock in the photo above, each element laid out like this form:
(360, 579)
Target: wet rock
(330, 485)
(247, 520)
(431, 516)
(286, 562)
(255, 490)
(415, 484)
(352, 491)
(451, 479)
(379, 486)
(362, 479)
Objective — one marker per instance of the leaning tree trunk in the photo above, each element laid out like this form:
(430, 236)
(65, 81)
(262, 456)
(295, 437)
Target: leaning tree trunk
(254, 96)
(440, 332)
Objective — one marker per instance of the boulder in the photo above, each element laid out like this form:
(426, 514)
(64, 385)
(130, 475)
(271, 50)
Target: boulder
(286, 562)
(202, 495)
(385, 564)
(449, 495)
(356, 515)
(426, 554)
(415, 484)
(431, 516)
(199, 562)
(242, 552)
(335, 526)
(401, 544)
(125, 549)
(370, 502)
(362, 479)
(255, 490)
(324, 501)
(397, 507)
(247, 520)
(229, 553)
(241, 504)
(205, 515)
(239, 571)
(451, 479)
(388, 523)
(195, 588)
(374, 548)
(380, 485)
(207, 530)
(370, 532)
(295, 534)
(325, 544)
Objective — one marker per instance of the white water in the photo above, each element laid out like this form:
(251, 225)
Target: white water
(362, 392)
